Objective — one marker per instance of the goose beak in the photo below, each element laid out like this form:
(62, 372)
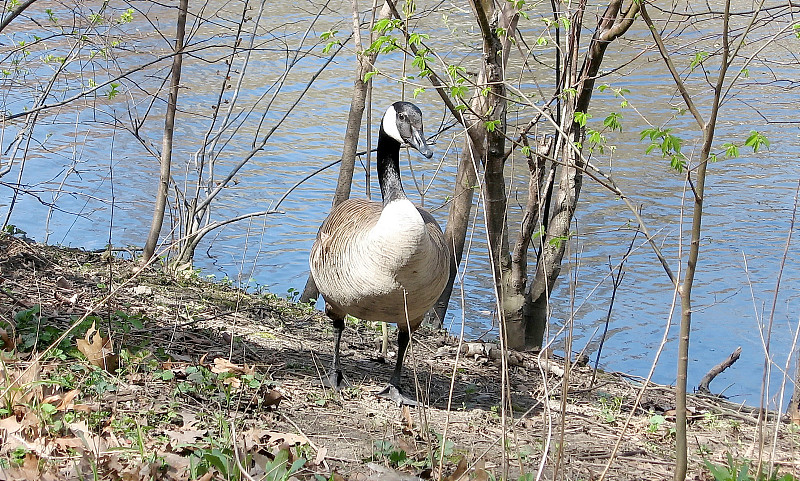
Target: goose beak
(418, 142)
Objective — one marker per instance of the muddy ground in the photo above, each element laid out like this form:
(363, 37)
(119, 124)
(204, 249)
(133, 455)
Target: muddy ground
(184, 374)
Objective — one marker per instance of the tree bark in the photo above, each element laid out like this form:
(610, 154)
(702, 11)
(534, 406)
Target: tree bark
(611, 25)
(166, 146)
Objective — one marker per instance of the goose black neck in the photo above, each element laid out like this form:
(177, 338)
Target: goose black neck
(389, 168)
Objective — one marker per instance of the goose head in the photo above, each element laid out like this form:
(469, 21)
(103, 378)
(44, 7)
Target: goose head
(403, 122)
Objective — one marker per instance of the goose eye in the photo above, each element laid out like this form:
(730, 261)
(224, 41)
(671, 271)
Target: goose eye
(402, 115)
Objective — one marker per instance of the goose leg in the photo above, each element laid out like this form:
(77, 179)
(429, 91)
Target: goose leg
(392, 391)
(335, 378)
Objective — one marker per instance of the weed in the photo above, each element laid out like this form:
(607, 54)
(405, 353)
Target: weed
(17, 456)
(277, 469)
(396, 457)
(12, 230)
(656, 421)
(610, 409)
(740, 471)
(292, 294)
(704, 450)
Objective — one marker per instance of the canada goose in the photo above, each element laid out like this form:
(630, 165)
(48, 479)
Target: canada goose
(382, 261)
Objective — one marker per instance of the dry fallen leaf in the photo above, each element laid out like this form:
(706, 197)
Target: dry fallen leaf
(182, 437)
(383, 473)
(460, 470)
(273, 398)
(177, 466)
(23, 379)
(9, 343)
(480, 471)
(224, 366)
(67, 402)
(408, 421)
(69, 443)
(91, 442)
(99, 350)
(320, 457)
(287, 438)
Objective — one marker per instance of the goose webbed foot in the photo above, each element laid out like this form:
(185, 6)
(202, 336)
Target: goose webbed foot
(335, 380)
(393, 393)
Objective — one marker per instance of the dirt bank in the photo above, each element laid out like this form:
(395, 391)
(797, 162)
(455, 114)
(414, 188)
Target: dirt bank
(206, 371)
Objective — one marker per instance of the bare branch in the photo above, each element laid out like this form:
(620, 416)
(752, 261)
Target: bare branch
(717, 370)
(15, 13)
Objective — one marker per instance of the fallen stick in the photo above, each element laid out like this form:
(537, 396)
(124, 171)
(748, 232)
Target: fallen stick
(717, 370)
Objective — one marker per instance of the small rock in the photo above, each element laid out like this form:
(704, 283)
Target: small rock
(142, 290)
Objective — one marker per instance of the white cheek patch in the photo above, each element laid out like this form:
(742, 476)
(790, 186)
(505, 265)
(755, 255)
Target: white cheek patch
(390, 124)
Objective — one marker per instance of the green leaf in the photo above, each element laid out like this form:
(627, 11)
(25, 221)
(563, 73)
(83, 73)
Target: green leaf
(416, 38)
(369, 75)
(569, 92)
(612, 121)
(112, 92)
(418, 90)
(382, 25)
(330, 45)
(719, 472)
(386, 25)
(699, 57)
(581, 118)
(526, 150)
(127, 16)
(458, 91)
(492, 125)
(731, 150)
(456, 71)
(651, 132)
(756, 141)
(421, 59)
(329, 34)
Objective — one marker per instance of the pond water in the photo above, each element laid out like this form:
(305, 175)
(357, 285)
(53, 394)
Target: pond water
(107, 181)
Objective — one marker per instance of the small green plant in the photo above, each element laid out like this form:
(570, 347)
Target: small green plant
(756, 140)
(656, 421)
(279, 470)
(610, 409)
(704, 450)
(11, 229)
(740, 471)
(17, 456)
(292, 294)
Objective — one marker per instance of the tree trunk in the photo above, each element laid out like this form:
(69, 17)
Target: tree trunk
(611, 25)
(166, 146)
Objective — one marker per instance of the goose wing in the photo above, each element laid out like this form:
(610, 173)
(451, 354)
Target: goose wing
(339, 247)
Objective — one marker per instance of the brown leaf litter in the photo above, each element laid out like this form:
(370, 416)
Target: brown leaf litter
(187, 373)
